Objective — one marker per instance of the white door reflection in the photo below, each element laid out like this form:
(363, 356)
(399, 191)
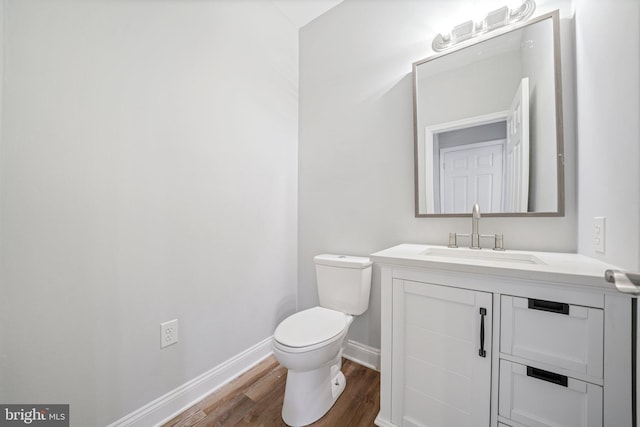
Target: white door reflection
(517, 152)
(471, 174)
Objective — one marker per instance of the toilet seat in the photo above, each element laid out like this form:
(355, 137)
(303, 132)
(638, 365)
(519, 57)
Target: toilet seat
(311, 328)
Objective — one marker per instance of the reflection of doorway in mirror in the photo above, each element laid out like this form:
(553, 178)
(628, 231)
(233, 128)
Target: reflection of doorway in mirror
(472, 184)
(518, 151)
(476, 140)
(471, 174)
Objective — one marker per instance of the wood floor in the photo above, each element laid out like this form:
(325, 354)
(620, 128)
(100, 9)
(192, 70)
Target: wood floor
(255, 399)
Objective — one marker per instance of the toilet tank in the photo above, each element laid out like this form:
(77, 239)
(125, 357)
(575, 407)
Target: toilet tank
(344, 282)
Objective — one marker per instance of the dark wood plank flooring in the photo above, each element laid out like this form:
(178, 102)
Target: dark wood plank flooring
(255, 399)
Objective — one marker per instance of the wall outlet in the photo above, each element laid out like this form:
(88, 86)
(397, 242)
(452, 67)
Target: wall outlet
(599, 235)
(168, 333)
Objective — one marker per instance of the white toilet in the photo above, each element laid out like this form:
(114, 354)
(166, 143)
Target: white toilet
(309, 343)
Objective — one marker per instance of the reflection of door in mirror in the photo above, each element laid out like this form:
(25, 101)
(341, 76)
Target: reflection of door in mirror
(471, 174)
(463, 162)
(483, 160)
(517, 152)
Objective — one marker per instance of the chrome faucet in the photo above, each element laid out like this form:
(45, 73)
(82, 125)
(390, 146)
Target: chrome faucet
(475, 221)
(498, 239)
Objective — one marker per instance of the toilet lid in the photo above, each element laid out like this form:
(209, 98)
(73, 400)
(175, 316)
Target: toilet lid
(310, 327)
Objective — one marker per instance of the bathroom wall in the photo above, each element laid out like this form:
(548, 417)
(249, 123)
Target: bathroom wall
(356, 189)
(147, 172)
(608, 118)
(3, 301)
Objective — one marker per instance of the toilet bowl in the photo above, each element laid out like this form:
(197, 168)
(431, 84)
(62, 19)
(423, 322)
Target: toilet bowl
(314, 380)
(310, 343)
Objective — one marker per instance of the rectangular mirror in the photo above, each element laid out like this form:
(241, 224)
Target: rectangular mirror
(488, 125)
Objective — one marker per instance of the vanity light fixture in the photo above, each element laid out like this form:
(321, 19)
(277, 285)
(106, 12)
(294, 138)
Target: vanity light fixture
(495, 19)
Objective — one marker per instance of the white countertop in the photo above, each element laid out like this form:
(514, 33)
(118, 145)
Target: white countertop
(551, 267)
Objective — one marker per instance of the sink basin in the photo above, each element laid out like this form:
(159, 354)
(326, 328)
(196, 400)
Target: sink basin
(482, 255)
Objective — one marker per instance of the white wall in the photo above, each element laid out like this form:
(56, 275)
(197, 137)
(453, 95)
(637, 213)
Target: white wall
(608, 120)
(608, 107)
(484, 87)
(356, 190)
(148, 171)
(4, 303)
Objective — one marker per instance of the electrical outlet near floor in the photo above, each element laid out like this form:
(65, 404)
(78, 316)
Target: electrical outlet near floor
(168, 333)
(599, 235)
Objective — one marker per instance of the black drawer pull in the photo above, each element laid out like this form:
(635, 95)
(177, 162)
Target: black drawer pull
(551, 306)
(482, 352)
(547, 376)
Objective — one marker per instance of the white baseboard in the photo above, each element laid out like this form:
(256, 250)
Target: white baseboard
(382, 422)
(362, 354)
(178, 400)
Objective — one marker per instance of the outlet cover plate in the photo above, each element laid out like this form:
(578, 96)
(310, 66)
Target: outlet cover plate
(168, 333)
(599, 235)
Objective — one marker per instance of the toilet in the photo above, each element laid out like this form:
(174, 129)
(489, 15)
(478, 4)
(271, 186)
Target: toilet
(310, 343)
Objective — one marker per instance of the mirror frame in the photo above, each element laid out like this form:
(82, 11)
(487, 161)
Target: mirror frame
(555, 20)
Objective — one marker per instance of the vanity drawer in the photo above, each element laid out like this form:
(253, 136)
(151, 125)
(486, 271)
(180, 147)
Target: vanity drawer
(540, 398)
(562, 335)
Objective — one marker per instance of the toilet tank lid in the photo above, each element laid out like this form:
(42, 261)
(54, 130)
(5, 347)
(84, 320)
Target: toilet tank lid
(344, 261)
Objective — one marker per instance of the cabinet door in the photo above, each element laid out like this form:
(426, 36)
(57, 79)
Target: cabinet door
(441, 372)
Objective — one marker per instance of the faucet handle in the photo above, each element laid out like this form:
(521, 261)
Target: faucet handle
(453, 241)
(499, 245)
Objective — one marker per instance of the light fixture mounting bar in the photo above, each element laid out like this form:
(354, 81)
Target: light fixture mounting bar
(495, 19)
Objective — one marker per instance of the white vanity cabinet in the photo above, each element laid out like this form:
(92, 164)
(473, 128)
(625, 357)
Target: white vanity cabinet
(470, 343)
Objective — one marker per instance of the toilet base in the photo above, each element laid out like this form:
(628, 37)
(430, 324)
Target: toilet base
(310, 394)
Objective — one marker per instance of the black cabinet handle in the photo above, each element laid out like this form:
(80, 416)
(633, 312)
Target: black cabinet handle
(547, 376)
(551, 306)
(482, 352)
